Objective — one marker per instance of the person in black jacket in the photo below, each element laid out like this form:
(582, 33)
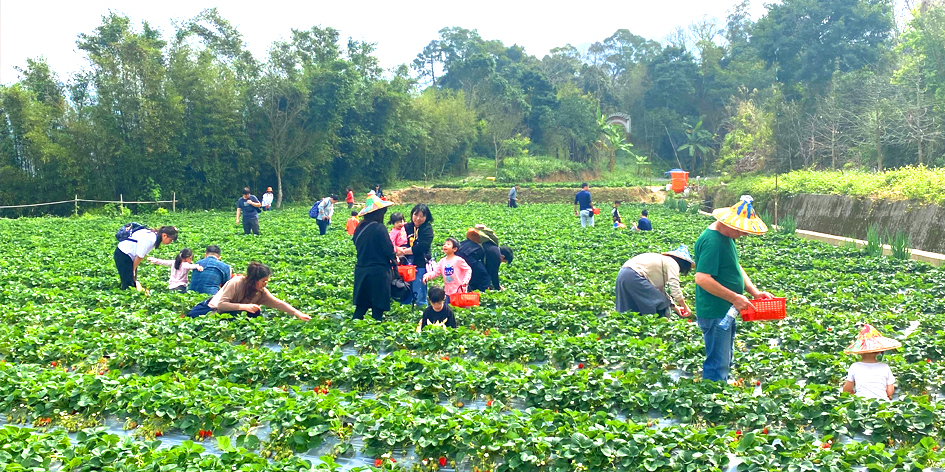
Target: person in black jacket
(471, 251)
(375, 260)
(495, 255)
(419, 239)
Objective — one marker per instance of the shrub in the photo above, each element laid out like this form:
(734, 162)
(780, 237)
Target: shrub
(788, 225)
(899, 245)
(874, 243)
(527, 169)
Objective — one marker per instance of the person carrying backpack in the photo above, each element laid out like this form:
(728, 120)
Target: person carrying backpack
(135, 241)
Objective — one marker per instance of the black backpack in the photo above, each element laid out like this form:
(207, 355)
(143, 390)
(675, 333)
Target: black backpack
(400, 291)
(125, 232)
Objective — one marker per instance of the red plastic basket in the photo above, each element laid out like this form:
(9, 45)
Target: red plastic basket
(465, 300)
(769, 309)
(597, 211)
(408, 272)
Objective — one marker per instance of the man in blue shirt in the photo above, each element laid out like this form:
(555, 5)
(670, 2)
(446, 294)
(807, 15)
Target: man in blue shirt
(583, 206)
(249, 206)
(644, 223)
(513, 196)
(215, 273)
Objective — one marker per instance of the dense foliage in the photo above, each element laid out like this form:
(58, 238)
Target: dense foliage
(542, 376)
(921, 184)
(822, 84)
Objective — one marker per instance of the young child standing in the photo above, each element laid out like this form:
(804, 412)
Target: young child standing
(455, 271)
(438, 313)
(352, 223)
(180, 267)
(870, 378)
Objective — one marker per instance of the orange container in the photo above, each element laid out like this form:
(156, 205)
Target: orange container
(465, 300)
(679, 180)
(408, 272)
(770, 309)
(597, 211)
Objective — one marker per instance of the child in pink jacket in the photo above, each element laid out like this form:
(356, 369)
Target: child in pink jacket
(455, 271)
(179, 269)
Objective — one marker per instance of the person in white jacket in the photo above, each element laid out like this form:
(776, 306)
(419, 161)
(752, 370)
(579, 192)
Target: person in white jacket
(267, 199)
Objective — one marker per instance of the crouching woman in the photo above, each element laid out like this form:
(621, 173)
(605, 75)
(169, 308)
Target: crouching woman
(246, 294)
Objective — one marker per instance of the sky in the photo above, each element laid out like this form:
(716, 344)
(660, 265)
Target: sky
(400, 29)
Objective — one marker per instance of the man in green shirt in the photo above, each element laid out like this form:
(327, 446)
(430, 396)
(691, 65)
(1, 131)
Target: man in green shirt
(720, 282)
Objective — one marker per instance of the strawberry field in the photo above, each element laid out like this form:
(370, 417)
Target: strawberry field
(543, 376)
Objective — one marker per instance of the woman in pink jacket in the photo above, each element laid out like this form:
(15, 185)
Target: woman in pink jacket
(455, 271)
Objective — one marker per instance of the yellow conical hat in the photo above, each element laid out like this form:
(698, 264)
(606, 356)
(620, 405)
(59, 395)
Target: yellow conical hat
(742, 217)
(869, 340)
(373, 203)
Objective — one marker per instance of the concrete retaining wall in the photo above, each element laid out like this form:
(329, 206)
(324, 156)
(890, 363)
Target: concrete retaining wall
(850, 217)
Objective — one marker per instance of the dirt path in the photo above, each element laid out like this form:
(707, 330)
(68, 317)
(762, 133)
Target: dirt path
(525, 195)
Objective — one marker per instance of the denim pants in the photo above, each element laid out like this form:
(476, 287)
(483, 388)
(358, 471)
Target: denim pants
(719, 344)
(322, 225)
(419, 289)
(587, 218)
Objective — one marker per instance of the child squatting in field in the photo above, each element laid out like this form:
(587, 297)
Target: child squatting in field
(870, 378)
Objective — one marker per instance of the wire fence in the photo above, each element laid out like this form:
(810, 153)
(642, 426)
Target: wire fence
(75, 201)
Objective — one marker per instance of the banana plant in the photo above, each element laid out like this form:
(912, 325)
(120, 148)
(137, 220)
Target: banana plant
(698, 142)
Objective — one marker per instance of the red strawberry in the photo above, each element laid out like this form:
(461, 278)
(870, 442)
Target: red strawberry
(757, 383)
(445, 358)
(928, 361)
(489, 403)
(378, 462)
(486, 333)
(764, 431)
(158, 434)
(581, 365)
(392, 460)
(689, 320)
(442, 461)
(738, 433)
(829, 329)
(53, 364)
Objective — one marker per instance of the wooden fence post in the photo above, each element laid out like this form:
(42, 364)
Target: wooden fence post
(121, 203)
(173, 201)
(76, 205)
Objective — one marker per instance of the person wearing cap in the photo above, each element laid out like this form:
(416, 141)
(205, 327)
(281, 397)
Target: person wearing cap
(642, 282)
(375, 259)
(267, 199)
(326, 208)
(494, 255)
(720, 282)
(870, 378)
(248, 206)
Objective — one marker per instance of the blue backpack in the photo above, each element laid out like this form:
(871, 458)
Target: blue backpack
(124, 233)
(314, 211)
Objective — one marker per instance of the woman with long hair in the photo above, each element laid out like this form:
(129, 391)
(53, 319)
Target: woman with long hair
(246, 293)
(372, 272)
(420, 240)
(135, 248)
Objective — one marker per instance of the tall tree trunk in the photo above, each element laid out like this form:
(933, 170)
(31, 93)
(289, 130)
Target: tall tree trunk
(692, 167)
(920, 152)
(278, 189)
(879, 146)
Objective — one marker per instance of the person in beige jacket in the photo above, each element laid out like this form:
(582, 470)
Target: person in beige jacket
(246, 293)
(643, 280)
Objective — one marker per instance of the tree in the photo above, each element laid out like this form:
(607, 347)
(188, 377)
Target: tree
(808, 40)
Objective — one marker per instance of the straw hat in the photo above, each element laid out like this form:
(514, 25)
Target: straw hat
(373, 204)
(869, 340)
(486, 234)
(682, 253)
(742, 217)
